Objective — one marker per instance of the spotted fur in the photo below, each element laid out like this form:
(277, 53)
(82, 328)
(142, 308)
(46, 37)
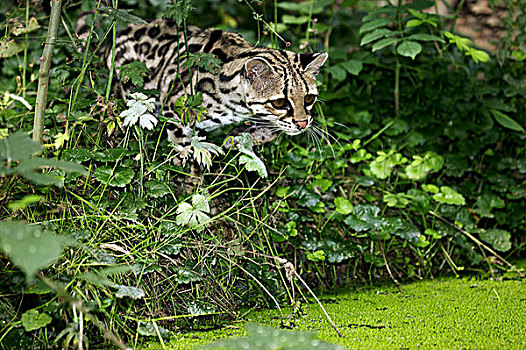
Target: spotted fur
(273, 89)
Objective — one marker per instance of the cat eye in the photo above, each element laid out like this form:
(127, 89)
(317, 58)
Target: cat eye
(309, 99)
(280, 103)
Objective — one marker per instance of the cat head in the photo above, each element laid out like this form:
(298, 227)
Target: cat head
(280, 88)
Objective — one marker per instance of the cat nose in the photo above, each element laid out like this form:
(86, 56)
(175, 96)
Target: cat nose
(301, 124)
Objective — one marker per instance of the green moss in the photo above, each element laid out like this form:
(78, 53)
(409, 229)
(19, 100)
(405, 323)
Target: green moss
(440, 314)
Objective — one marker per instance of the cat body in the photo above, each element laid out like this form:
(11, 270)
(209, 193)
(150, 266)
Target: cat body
(273, 89)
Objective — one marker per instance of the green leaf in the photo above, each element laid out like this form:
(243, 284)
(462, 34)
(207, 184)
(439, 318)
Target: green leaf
(506, 121)
(384, 43)
(324, 184)
(384, 164)
(118, 177)
(178, 11)
(413, 23)
(122, 15)
(203, 151)
(409, 48)
(343, 205)
(30, 169)
(425, 37)
(375, 23)
(478, 55)
(417, 14)
(448, 195)
(499, 239)
(194, 214)
(151, 329)
(134, 71)
(185, 276)
(337, 72)
(24, 202)
(30, 248)
(282, 192)
(420, 167)
(288, 19)
(18, 146)
(77, 155)
(156, 189)
(430, 188)
(10, 48)
(128, 292)
(33, 320)
(252, 162)
(375, 35)
(354, 67)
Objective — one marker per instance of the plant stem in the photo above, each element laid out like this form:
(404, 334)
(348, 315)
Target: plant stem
(43, 79)
(397, 87)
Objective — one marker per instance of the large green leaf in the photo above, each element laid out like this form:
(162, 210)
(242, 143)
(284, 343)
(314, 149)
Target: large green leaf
(29, 247)
(156, 188)
(18, 146)
(118, 177)
(499, 239)
(32, 320)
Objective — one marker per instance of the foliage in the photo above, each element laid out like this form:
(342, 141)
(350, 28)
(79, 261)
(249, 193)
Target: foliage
(417, 144)
(261, 337)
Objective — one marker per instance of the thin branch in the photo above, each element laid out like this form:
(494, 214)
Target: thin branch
(43, 79)
(479, 243)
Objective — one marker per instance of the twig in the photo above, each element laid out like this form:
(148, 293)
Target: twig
(290, 268)
(389, 269)
(479, 243)
(43, 79)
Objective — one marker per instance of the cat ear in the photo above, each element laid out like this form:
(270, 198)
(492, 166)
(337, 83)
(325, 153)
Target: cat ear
(312, 62)
(257, 67)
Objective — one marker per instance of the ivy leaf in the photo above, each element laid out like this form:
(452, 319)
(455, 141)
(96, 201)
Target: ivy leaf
(186, 276)
(499, 239)
(33, 320)
(29, 247)
(156, 189)
(448, 195)
(409, 48)
(135, 72)
(118, 177)
(128, 292)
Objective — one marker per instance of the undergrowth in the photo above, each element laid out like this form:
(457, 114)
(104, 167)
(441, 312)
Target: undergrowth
(416, 167)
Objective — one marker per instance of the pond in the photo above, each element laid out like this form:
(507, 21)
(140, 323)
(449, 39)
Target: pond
(444, 313)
